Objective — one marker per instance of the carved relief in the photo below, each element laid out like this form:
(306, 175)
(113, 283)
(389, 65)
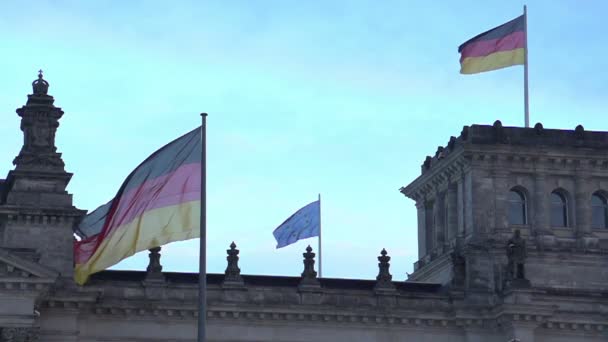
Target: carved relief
(19, 334)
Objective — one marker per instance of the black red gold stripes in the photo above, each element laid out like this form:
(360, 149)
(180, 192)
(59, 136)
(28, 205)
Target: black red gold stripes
(497, 48)
(158, 203)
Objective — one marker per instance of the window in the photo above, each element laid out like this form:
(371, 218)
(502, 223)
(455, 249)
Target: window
(599, 214)
(517, 207)
(559, 210)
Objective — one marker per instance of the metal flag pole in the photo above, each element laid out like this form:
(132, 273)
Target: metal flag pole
(202, 262)
(526, 107)
(320, 259)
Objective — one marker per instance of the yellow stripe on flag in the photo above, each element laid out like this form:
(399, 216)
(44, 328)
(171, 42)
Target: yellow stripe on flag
(154, 228)
(497, 60)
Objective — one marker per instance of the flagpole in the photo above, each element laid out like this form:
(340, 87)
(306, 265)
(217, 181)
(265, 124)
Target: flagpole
(320, 259)
(526, 106)
(202, 262)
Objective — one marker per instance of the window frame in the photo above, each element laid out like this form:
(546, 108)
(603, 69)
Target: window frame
(564, 206)
(524, 203)
(604, 199)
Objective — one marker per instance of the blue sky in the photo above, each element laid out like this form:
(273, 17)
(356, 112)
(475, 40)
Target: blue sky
(342, 98)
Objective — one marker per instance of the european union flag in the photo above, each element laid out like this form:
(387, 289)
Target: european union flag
(305, 223)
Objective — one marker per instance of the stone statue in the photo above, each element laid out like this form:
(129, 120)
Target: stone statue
(458, 269)
(516, 254)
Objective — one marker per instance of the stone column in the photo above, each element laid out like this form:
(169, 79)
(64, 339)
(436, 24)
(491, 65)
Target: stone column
(460, 206)
(584, 235)
(439, 224)
(501, 193)
(452, 212)
(582, 201)
(539, 205)
(421, 210)
(469, 226)
(429, 226)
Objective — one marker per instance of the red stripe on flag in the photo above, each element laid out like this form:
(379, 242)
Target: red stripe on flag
(481, 48)
(180, 186)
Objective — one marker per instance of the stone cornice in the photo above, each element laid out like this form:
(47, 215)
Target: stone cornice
(533, 161)
(441, 174)
(311, 315)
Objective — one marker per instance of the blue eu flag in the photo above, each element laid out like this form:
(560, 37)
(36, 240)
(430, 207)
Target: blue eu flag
(303, 224)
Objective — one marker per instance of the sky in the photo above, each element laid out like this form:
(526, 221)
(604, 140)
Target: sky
(339, 98)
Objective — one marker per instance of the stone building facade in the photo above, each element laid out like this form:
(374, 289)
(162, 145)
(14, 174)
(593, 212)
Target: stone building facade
(513, 242)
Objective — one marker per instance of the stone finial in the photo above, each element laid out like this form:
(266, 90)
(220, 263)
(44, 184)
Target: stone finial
(154, 269)
(451, 143)
(440, 154)
(384, 280)
(232, 275)
(465, 132)
(499, 132)
(427, 163)
(40, 86)
(579, 132)
(309, 276)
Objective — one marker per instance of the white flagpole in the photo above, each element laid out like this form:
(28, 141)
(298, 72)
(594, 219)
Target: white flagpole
(202, 261)
(526, 107)
(320, 259)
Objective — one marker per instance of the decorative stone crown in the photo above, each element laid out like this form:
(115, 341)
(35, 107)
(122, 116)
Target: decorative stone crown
(40, 86)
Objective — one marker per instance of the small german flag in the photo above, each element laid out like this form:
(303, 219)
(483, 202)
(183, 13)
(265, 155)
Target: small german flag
(500, 47)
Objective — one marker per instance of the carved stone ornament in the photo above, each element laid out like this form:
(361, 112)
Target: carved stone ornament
(309, 276)
(39, 123)
(40, 86)
(384, 280)
(233, 272)
(154, 271)
(19, 334)
(154, 265)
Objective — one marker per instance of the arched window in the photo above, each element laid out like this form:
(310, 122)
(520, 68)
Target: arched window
(599, 215)
(559, 210)
(517, 207)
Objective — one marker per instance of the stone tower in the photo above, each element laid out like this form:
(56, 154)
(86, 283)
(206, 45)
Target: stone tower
(36, 211)
(478, 194)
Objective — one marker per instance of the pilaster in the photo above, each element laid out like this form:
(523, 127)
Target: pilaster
(585, 238)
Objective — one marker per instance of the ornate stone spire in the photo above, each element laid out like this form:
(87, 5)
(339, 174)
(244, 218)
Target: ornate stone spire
(39, 122)
(37, 186)
(384, 280)
(309, 276)
(232, 275)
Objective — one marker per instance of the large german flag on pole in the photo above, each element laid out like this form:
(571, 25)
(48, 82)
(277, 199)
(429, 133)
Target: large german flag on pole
(159, 202)
(497, 48)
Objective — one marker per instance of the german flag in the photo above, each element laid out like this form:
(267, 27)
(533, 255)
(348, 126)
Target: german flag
(497, 48)
(158, 203)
